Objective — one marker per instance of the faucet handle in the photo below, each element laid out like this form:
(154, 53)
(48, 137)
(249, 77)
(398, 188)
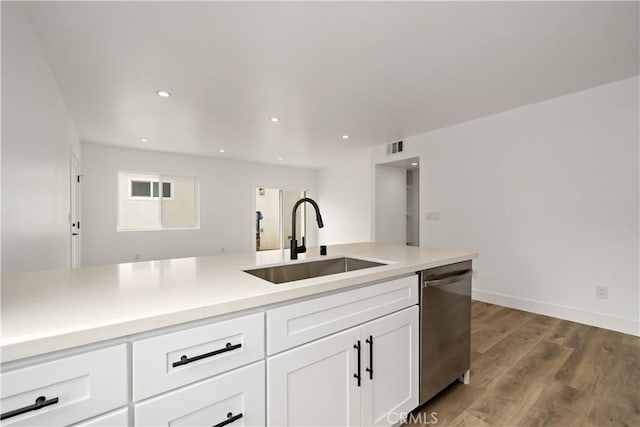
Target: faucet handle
(302, 249)
(295, 249)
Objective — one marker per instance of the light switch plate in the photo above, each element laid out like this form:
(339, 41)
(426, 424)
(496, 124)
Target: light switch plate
(433, 216)
(601, 292)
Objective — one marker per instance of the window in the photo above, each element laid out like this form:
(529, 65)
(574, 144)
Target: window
(157, 202)
(149, 189)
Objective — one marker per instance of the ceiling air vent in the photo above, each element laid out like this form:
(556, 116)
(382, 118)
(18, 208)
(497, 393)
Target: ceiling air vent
(394, 147)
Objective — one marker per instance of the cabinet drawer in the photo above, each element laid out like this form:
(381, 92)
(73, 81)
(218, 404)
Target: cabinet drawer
(74, 388)
(172, 360)
(235, 399)
(298, 323)
(119, 418)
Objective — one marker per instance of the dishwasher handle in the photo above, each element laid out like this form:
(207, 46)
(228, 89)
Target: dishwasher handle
(447, 280)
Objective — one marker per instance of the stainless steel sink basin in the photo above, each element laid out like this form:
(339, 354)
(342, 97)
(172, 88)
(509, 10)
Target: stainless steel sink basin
(306, 270)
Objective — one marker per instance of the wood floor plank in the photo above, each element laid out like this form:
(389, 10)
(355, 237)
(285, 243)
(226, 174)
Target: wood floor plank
(452, 401)
(467, 419)
(532, 370)
(631, 340)
(540, 327)
(482, 339)
(481, 311)
(590, 362)
(506, 353)
(506, 401)
(495, 327)
(507, 316)
(558, 405)
(617, 395)
(569, 334)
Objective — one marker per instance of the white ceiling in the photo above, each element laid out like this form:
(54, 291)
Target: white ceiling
(378, 71)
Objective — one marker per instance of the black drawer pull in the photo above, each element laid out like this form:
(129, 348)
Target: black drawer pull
(358, 376)
(370, 368)
(184, 359)
(41, 402)
(230, 418)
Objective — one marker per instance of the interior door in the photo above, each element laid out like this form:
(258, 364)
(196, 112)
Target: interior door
(390, 205)
(391, 363)
(74, 212)
(314, 384)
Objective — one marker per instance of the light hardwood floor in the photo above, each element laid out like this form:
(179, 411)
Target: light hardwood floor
(532, 370)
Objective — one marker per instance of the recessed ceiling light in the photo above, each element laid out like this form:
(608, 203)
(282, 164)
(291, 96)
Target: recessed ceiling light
(274, 119)
(414, 164)
(144, 139)
(345, 136)
(280, 158)
(221, 150)
(163, 93)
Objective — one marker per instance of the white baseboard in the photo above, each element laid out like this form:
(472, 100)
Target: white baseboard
(574, 314)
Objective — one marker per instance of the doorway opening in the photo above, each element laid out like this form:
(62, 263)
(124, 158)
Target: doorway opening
(273, 218)
(397, 202)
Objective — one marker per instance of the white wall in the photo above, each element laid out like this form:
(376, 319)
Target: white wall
(37, 138)
(345, 201)
(227, 204)
(390, 214)
(549, 196)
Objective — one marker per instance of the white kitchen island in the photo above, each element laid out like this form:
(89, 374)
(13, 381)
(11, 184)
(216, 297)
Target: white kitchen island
(197, 340)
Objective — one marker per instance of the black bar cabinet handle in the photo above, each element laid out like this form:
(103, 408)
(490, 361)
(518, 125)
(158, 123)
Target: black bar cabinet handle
(230, 418)
(41, 402)
(184, 359)
(358, 376)
(370, 368)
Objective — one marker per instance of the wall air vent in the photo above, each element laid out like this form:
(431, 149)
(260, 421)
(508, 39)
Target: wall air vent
(394, 147)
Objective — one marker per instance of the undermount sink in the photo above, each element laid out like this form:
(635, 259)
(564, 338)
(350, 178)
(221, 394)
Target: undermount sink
(306, 270)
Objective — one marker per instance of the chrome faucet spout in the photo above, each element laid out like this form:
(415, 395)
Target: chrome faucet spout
(295, 249)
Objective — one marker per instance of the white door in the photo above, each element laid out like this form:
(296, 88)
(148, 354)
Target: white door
(390, 205)
(314, 384)
(390, 359)
(234, 399)
(74, 213)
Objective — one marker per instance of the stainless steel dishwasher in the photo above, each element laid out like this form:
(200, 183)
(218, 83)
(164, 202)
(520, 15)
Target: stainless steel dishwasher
(445, 327)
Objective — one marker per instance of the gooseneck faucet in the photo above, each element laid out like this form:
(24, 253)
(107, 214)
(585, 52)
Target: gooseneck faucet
(295, 249)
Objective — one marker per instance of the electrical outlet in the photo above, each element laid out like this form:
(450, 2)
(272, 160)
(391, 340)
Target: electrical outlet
(474, 273)
(601, 292)
(433, 216)
(221, 250)
(136, 256)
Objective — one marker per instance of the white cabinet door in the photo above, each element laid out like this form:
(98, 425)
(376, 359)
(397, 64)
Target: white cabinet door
(390, 367)
(235, 399)
(314, 384)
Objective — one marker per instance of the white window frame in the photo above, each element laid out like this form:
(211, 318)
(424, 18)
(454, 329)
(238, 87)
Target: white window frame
(197, 205)
(151, 181)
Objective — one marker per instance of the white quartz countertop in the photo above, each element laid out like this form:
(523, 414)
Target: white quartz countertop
(53, 310)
